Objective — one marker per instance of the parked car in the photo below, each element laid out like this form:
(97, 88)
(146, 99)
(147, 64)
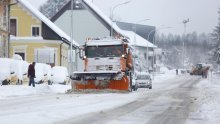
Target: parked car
(12, 71)
(42, 72)
(59, 74)
(5, 71)
(20, 70)
(142, 80)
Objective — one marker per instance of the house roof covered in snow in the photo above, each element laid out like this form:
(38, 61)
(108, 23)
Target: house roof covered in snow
(129, 34)
(44, 19)
(137, 40)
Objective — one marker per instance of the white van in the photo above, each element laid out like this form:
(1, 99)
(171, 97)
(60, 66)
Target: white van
(142, 80)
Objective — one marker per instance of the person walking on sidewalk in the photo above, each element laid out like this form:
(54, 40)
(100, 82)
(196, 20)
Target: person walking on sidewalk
(31, 74)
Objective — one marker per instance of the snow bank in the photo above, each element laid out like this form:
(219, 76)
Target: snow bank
(208, 102)
(165, 74)
(8, 91)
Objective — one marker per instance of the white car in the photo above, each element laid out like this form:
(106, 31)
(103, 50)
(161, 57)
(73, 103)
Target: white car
(5, 71)
(12, 71)
(142, 80)
(59, 74)
(20, 70)
(42, 72)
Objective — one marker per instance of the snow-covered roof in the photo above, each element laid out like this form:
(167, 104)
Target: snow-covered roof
(44, 19)
(129, 34)
(137, 40)
(103, 42)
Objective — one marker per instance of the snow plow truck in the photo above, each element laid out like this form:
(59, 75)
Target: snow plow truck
(107, 65)
(200, 69)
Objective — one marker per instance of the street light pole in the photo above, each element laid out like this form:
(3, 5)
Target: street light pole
(71, 38)
(183, 55)
(112, 14)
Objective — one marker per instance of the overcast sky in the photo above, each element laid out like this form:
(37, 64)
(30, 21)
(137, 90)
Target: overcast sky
(202, 13)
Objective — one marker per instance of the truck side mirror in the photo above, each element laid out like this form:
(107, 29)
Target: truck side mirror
(127, 50)
(81, 53)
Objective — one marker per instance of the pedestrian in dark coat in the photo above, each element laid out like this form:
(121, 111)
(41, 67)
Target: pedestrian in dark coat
(31, 74)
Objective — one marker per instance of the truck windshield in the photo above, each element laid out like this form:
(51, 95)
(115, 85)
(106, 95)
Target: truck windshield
(104, 51)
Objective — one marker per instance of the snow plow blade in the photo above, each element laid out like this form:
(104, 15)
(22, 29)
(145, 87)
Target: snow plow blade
(122, 84)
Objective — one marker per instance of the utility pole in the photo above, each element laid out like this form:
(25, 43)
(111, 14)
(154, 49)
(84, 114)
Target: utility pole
(184, 33)
(71, 38)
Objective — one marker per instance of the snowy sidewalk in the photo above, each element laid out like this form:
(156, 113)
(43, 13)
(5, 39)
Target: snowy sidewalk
(208, 100)
(24, 90)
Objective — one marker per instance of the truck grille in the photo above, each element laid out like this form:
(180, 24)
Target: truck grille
(104, 67)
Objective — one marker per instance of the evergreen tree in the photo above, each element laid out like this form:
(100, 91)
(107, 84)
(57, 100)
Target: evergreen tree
(216, 32)
(51, 7)
(216, 39)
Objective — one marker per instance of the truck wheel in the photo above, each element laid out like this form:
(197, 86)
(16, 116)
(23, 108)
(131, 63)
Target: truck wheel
(150, 87)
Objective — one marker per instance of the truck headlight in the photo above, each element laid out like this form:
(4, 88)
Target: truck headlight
(123, 56)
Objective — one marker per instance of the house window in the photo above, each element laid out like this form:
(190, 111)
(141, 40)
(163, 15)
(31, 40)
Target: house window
(35, 31)
(45, 55)
(13, 27)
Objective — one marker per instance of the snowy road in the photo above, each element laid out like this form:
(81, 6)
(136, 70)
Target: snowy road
(167, 105)
(181, 99)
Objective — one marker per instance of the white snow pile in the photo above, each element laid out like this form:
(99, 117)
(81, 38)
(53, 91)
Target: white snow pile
(208, 102)
(165, 75)
(7, 91)
(60, 74)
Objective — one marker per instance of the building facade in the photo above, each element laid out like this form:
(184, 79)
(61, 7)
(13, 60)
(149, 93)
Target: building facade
(4, 32)
(36, 38)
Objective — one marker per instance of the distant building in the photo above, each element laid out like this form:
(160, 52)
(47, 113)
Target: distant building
(35, 38)
(4, 32)
(142, 30)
